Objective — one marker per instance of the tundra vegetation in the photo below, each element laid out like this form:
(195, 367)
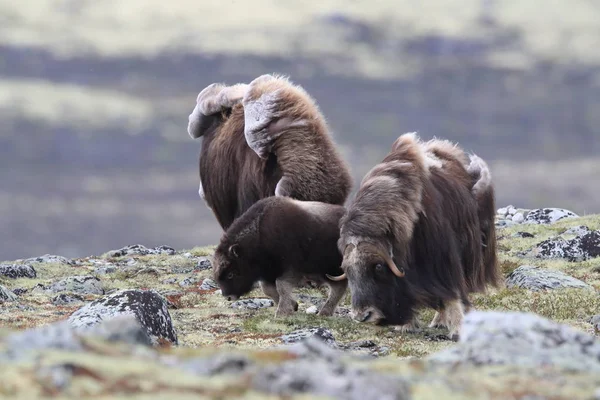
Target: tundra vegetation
(219, 342)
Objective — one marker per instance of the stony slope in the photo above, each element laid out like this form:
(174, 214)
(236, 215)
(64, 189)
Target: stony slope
(551, 267)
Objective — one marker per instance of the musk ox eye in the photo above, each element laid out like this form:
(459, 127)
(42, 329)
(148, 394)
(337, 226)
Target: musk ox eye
(230, 275)
(379, 267)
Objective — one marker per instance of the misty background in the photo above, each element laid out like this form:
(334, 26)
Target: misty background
(95, 98)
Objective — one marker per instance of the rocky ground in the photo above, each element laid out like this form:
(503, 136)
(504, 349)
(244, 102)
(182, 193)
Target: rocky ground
(151, 323)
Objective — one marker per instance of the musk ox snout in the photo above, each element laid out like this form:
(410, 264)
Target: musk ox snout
(232, 297)
(367, 315)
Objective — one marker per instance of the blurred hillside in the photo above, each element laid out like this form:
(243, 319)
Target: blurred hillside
(94, 99)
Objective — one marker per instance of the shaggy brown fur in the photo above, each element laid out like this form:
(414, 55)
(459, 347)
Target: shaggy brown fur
(282, 243)
(424, 219)
(296, 156)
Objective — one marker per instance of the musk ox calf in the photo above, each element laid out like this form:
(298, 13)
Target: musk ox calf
(282, 242)
(408, 236)
(267, 138)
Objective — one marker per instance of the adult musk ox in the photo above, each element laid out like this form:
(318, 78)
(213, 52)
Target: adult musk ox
(263, 139)
(282, 242)
(407, 236)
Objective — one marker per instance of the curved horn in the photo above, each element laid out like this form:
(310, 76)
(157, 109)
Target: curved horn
(336, 278)
(398, 272)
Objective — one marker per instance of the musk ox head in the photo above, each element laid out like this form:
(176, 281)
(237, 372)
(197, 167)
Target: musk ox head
(234, 270)
(377, 284)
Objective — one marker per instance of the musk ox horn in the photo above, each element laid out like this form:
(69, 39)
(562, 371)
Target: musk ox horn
(337, 278)
(388, 260)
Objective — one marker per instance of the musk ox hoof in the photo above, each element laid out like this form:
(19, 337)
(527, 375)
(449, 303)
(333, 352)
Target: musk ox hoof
(325, 312)
(454, 337)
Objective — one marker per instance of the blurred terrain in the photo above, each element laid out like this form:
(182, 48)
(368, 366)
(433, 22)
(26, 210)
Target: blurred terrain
(94, 99)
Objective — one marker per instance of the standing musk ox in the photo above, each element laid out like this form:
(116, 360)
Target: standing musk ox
(407, 236)
(263, 139)
(282, 242)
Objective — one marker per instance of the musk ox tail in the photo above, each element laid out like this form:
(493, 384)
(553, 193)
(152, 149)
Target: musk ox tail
(483, 190)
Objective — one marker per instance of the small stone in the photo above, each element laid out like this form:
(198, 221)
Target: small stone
(169, 281)
(595, 321)
(577, 231)
(548, 215)
(149, 308)
(104, 270)
(511, 210)
(518, 218)
(15, 271)
(19, 291)
(50, 259)
(536, 279)
(138, 249)
(6, 295)
(65, 299)
(188, 255)
(252, 304)
(78, 284)
(301, 334)
(189, 281)
(208, 284)
(502, 211)
(204, 264)
(312, 310)
(523, 235)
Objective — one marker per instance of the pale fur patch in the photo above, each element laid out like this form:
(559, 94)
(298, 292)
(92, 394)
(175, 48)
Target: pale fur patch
(451, 317)
(201, 191)
(257, 116)
(313, 207)
(480, 167)
(446, 146)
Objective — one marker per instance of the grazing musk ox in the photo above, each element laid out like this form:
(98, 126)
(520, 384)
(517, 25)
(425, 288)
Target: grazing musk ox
(281, 242)
(263, 139)
(406, 237)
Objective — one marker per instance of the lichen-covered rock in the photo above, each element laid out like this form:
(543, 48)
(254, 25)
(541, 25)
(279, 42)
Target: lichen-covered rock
(523, 235)
(138, 249)
(65, 299)
(77, 284)
(63, 336)
(595, 321)
(203, 264)
(518, 218)
(252, 304)
(580, 248)
(548, 215)
(302, 334)
(15, 271)
(577, 231)
(149, 307)
(535, 278)
(6, 295)
(209, 284)
(50, 259)
(189, 281)
(319, 372)
(523, 339)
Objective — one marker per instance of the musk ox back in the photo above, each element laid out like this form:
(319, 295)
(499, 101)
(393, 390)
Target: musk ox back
(267, 138)
(281, 242)
(405, 238)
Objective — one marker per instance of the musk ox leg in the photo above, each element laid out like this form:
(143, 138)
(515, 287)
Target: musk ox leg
(451, 317)
(270, 290)
(411, 327)
(336, 292)
(287, 305)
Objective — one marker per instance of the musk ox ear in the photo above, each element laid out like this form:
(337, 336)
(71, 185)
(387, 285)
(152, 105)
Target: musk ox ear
(211, 101)
(234, 250)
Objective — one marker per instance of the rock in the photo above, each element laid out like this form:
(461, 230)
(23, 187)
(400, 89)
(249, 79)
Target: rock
(15, 271)
(19, 291)
(149, 308)
(138, 249)
(505, 223)
(6, 295)
(208, 284)
(65, 299)
(523, 235)
(62, 335)
(223, 363)
(580, 248)
(502, 211)
(511, 210)
(105, 269)
(169, 281)
(189, 281)
(521, 339)
(252, 304)
(50, 259)
(204, 263)
(518, 218)
(312, 310)
(302, 334)
(595, 321)
(535, 278)
(77, 284)
(319, 372)
(548, 215)
(577, 231)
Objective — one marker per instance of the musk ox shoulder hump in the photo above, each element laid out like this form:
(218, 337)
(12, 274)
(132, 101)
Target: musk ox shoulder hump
(446, 150)
(480, 173)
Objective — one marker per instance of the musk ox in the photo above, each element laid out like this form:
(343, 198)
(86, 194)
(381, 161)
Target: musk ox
(282, 242)
(267, 138)
(407, 235)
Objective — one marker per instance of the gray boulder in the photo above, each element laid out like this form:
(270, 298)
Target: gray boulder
(252, 304)
(580, 248)
(548, 215)
(524, 339)
(76, 284)
(6, 295)
(208, 284)
(65, 299)
(50, 259)
(302, 334)
(15, 271)
(138, 249)
(535, 278)
(149, 308)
